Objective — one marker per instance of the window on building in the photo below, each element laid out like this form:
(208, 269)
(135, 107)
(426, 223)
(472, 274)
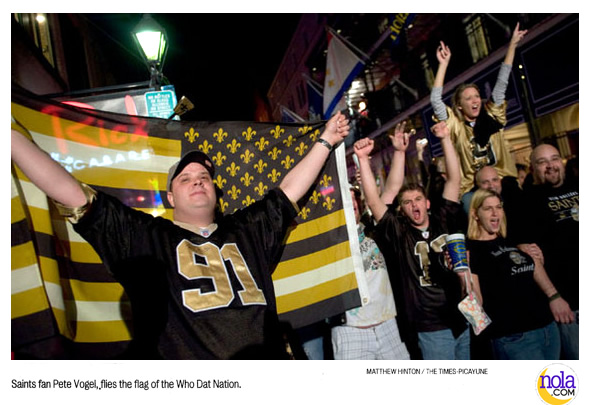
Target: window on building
(37, 25)
(477, 37)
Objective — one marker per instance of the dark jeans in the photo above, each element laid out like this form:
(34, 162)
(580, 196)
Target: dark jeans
(441, 345)
(537, 344)
(570, 338)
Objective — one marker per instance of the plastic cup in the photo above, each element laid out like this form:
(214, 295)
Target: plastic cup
(457, 251)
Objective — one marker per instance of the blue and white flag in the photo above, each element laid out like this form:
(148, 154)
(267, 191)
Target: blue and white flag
(342, 67)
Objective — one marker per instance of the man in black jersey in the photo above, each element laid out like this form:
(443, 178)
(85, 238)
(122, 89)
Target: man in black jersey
(427, 293)
(200, 286)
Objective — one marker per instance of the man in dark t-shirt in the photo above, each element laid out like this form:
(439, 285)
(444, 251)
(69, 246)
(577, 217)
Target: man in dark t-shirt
(412, 243)
(552, 222)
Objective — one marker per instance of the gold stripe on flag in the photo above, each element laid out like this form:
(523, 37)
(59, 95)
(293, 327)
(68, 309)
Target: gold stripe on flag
(312, 261)
(317, 226)
(125, 179)
(49, 270)
(28, 302)
(16, 210)
(91, 291)
(23, 255)
(82, 252)
(101, 331)
(41, 220)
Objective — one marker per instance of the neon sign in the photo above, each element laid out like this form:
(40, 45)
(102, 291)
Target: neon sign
(72, 164)
(78, 131)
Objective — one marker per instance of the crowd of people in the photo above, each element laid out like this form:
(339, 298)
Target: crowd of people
(522, 238)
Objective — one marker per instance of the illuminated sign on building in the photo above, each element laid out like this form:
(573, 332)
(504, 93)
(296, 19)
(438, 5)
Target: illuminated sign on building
(72, 164)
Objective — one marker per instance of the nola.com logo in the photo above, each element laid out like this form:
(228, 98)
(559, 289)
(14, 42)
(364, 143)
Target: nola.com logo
(557, 384)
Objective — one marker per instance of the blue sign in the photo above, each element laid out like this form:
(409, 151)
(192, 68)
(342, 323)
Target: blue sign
(160, 104)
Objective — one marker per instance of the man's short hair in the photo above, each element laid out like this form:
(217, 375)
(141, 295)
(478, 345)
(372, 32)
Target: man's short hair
(410, 187)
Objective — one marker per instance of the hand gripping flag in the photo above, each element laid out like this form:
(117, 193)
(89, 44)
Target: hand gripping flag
(60, 288)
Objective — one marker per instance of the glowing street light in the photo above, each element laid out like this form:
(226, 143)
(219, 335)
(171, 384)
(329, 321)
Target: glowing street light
(152, 41)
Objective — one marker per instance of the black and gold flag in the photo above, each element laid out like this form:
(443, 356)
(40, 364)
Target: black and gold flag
(60, 286)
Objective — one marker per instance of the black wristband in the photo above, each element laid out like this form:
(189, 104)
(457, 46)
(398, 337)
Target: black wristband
(325, 143)
(554, 297)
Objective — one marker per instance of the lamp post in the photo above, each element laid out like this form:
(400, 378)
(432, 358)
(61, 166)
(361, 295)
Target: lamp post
(152, 41)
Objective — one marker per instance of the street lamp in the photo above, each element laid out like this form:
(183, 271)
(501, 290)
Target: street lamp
(152, 41)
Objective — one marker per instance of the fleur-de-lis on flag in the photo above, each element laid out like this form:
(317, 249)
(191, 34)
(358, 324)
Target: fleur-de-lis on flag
(249, 200)
(261, 144)
(260, 189)
(246, 156)
(191, 134)
(260, 166)
(223, 205)
(248, 134)
(220, 135)
(287, 162)
(304, 129)
(234, 192)
(219, 158)
(315, 197)
(277, 132)
(274, 175)
(274, 153)
(289, 141)
(234, 145)
(304, 212)
(301, 149)
(220, 181)
(329, 203)
(205, 147)
(233, 169)
(247, 179)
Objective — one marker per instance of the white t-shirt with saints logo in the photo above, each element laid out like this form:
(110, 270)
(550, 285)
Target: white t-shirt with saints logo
(381, 306)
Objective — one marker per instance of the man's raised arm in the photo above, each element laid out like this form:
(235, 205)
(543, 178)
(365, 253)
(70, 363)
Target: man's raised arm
(45, 172)
(299, 179)
(452, 186)
(362, 149)
(395, 180)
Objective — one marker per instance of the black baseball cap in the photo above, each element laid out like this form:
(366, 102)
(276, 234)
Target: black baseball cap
(192, 157)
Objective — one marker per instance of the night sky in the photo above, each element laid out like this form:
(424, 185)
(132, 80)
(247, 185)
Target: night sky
(218, 61)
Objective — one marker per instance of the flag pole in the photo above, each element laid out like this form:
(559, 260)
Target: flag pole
(318, 86)
(349, 44)
(292, 113)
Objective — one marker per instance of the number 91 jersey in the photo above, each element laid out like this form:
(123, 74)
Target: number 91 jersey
(196, 297)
